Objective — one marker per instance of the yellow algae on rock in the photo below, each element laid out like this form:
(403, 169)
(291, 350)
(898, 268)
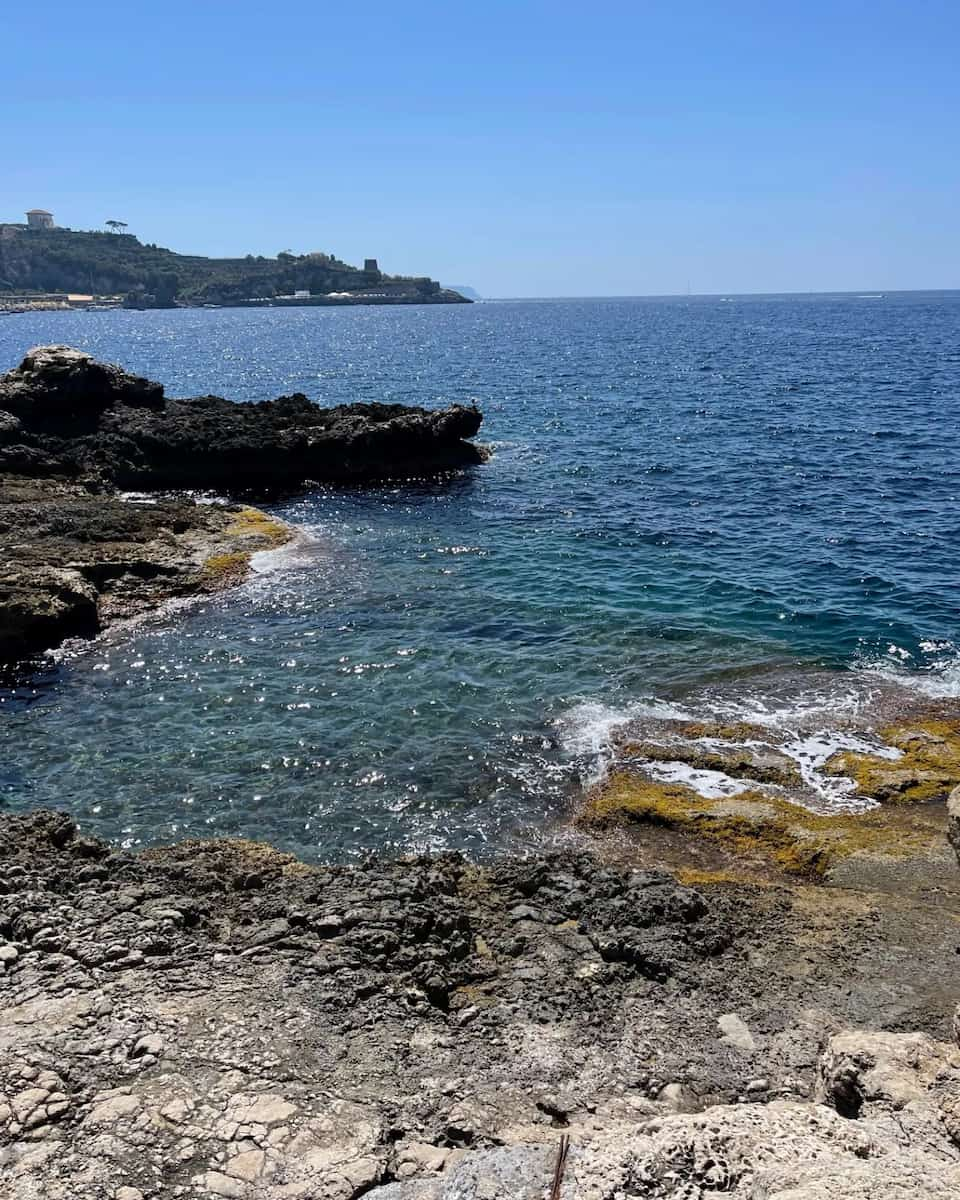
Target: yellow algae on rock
(754, 824)
(730, 731)
(254, 524)
(220, 570)
(248, 531)
(928, 766)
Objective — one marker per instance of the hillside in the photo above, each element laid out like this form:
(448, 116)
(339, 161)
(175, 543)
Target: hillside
(69, 260)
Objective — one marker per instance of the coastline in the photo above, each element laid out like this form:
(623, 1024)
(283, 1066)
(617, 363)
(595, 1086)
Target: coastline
(690, 1000)
(77, 436)
(218, 1019)
(85, 561)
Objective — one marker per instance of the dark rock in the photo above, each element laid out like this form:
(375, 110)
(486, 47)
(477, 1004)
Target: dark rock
(59, 389)
(73, 431)
(82, 418)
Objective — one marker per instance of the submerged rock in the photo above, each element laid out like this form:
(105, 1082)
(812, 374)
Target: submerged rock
(759, 763)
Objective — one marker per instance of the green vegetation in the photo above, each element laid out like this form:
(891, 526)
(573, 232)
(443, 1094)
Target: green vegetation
(98, 263)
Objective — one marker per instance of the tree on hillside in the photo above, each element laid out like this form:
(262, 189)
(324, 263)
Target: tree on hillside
(115, 226)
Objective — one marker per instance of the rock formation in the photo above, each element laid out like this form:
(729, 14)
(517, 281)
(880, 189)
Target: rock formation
(215, 1019)
(75, 417)
(953, 820)
(73, 431)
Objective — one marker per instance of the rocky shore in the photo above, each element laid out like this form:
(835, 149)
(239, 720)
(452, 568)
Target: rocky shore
(218, 1020)
(76, 434)
(731, 994)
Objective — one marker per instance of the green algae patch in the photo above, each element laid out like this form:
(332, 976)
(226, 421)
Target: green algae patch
(754, 825)
(928, 767)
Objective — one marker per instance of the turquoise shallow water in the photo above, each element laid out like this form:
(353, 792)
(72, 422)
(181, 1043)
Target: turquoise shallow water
(749, 504)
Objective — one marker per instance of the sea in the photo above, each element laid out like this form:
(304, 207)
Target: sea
(735, 508)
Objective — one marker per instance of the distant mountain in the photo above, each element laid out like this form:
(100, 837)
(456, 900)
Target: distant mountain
(71, 260)
(468, 292)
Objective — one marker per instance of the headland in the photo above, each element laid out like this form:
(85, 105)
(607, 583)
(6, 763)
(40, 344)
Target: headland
(45, 266)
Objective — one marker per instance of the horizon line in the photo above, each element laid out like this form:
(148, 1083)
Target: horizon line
(871, 293)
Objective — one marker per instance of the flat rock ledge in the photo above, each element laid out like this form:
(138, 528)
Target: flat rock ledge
(76, 434)
(76, 561)
(216, 1019)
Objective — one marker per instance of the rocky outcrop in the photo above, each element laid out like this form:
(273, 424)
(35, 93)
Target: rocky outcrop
(926, 766)
(743, 799)
(216, 1019)
(68, 415)
(759, 834)
(74, 561)
(74, 431)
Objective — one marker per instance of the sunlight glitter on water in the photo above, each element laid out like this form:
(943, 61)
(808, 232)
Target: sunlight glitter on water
(688, 516)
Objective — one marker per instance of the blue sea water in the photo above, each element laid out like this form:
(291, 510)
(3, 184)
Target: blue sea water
(742, 506)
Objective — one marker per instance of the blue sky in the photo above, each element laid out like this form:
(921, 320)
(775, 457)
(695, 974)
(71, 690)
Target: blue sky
(527, 149)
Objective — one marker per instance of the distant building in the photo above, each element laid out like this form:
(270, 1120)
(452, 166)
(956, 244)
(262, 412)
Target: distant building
(370, 264)
(39, 218)
(301, 294)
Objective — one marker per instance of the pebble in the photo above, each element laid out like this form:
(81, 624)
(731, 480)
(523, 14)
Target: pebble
(735, 1032)
(149, 1044)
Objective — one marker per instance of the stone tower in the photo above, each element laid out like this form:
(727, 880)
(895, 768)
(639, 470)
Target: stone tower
(39, 218)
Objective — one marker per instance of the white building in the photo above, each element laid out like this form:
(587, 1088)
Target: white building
(39, 218)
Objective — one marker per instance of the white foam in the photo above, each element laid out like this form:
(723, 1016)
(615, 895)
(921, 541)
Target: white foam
(774, 712)
(586, 731)
(939, 681)
(302, 550)
(713, 785)
(812, 751)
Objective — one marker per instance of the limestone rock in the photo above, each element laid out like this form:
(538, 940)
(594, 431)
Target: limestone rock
(953, 821)
(894, 1069)
(735, 1032)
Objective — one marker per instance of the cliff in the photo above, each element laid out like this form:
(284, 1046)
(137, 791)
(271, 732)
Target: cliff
(69, 260)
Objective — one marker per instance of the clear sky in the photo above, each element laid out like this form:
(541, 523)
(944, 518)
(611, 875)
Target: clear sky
(527, 149)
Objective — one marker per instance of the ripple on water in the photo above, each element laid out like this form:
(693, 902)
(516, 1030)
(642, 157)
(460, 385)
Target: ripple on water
(688, 515)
